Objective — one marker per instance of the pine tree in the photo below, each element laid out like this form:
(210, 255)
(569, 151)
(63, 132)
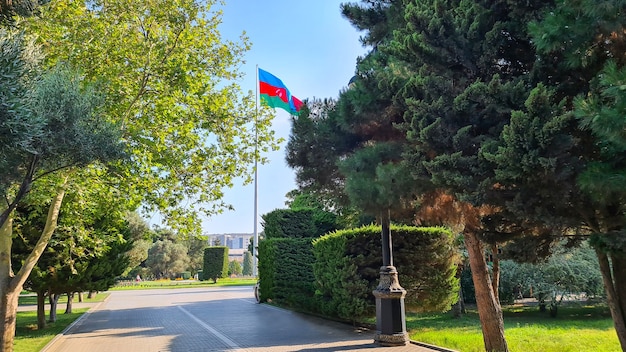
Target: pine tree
(470, 63)
(563, 153)
(247, 264)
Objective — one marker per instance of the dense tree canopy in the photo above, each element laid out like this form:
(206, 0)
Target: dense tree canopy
(50, 121)
(510, 113)
(568, 138)
(170, 83)
(166, 259)
(166, 94)
(51, 126)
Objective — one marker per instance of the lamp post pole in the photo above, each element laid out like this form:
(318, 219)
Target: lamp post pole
(390, 314)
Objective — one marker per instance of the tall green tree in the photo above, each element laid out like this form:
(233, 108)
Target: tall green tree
(602, 113)
(215, 263)
(50, 126)
(247, 264)
(88, 249)
(170, 81)
(469, 64)
(166, 259)
(315, 145)
(234, 268)
(564, 151)
(195, 252)
(141, 241)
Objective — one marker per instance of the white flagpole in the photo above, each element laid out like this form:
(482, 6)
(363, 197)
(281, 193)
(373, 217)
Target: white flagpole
(255, 245)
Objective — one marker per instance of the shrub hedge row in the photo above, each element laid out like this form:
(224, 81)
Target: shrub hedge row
(347, 269)
(298, 223)
(286, 271)
(335, 274)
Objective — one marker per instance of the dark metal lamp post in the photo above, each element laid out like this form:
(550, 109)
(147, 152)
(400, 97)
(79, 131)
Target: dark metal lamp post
(390, 315)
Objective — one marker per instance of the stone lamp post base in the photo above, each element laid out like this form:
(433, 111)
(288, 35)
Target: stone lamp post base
(390, 315)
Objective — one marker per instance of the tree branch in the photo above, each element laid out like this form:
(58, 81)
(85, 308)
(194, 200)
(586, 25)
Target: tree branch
(51, 224)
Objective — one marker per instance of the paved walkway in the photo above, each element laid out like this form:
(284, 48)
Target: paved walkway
(208, 319)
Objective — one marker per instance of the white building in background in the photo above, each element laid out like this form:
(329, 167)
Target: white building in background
(237, 243)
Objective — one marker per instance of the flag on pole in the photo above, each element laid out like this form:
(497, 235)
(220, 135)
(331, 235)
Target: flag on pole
(275, 94)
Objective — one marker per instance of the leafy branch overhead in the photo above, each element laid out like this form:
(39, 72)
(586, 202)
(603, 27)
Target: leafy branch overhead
(171, 85)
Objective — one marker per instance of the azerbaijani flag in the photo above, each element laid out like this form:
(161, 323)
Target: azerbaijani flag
(275, 94)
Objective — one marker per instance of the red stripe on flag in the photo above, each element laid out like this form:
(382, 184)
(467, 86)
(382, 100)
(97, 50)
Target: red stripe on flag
(297, 103)
(272, 91)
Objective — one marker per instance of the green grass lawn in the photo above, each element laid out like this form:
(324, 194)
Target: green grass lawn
(30, 299)
(29, 339)
(576, 328)
(133, 285)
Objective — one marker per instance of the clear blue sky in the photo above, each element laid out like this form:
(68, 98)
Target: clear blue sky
(313, 50)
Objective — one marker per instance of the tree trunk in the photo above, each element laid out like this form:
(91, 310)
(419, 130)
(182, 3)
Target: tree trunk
(489, 310)
(495, 280)
(458, 309)
(91, 294)
(614, 282)
(462, 300)
(11, 285)
(54, 300)
(9, 313)
(8, 293)
(41, 310)
(68, 306)
(80, 296)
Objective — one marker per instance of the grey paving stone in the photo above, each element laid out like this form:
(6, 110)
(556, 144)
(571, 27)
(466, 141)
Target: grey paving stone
(208, 319)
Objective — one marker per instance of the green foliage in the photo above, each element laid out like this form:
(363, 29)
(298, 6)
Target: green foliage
(19, 128)
(268, 254)
(166, 259)
(340, 289)
(140, 233)
(298, 223)
(195, 251)
(581, 34)
(376, 180)
(185, 275)
(215, 263)
(286, 271)
(579, 327)
(315, 145)
(247, 264)
(536, 160)
(234, 268)
(50, 121)
(347, 265)
(100, 273)
(601, 112)
(566, 272)
(90, 247)
(170, 82)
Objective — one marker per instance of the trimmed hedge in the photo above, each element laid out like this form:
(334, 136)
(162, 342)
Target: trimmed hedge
(298, 223)
(286, 271)
(347, 266)
(215, 263)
